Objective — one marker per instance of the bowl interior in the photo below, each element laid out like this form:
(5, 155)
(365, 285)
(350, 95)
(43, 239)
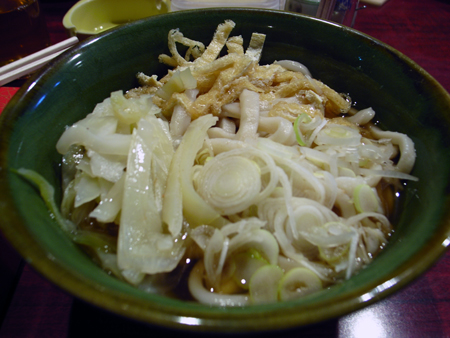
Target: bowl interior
(405, 98)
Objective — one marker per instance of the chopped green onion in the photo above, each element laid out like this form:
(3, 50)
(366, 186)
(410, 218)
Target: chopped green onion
(298, 133)
(334, 254)
(298, 282)
(246, 264)
(264, 284)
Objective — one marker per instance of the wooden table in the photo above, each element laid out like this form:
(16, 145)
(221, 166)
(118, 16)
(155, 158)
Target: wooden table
(32, 307)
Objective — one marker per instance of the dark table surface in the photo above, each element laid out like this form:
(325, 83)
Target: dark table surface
(32, 307)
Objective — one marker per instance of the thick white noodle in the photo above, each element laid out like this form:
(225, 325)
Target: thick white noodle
(406, 145)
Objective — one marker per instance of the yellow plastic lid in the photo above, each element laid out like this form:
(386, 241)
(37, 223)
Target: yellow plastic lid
(89, 17)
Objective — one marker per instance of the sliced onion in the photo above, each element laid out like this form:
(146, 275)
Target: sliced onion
(246, 264)
(245, 225)
(336, 134)
(229, 184)
(232, 181)
(334, 254)
(261, 240)
(298, 133)
(329, 235)
(214, 248)
(298, 282)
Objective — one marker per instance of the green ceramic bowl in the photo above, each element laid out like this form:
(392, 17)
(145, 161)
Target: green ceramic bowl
(404, 96)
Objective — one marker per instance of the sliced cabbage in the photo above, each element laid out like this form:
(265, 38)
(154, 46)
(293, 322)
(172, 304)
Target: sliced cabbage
(111, 144)
(143, 245)
(178, 83)
(109, 207)
(131, 110)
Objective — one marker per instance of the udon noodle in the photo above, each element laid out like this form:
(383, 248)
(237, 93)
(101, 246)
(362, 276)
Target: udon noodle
(258, 183)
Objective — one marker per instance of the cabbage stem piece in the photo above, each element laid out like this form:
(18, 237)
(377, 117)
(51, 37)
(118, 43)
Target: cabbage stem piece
(143, 245)
(114, 144)
(110, 168)
(87, 188)
(129, 111)
(365, 199)
(110, 206)
(178, 83)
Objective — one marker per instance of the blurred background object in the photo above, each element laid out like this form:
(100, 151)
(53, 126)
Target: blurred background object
(308, 7)
(178, 5)
(89, 17)
(375, 2)
(340, 11)
(23, 30)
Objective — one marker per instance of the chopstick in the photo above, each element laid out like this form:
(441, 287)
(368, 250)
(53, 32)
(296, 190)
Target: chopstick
(30, 63)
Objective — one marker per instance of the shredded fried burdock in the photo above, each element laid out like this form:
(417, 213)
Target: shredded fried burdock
(220, 80)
